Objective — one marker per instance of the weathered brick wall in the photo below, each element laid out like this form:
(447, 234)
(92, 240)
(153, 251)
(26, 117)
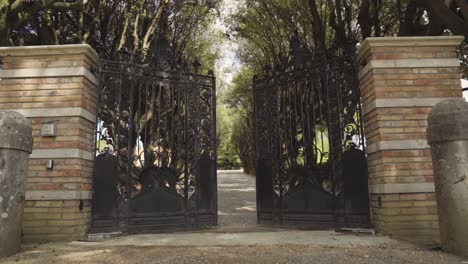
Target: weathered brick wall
(55, 84)
(401, 80)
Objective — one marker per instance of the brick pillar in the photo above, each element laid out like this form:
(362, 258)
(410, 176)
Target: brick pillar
(401, 79)
(54, 86)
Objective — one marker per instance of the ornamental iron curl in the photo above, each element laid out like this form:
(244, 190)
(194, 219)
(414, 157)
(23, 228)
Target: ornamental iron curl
(156, 148)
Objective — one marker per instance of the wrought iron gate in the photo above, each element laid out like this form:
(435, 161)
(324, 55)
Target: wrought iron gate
(310, 158)
(155, 166)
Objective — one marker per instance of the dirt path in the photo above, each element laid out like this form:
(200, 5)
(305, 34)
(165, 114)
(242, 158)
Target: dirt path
(236, 201)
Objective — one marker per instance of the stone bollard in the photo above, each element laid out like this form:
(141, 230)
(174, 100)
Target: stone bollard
(15, 147)
(448, 136)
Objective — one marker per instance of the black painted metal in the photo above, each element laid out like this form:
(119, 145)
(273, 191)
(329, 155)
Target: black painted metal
(310, 149)
(155, 166)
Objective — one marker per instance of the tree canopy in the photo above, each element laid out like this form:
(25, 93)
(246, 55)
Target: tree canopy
(117, 29)
(265, 27)
(266, 30)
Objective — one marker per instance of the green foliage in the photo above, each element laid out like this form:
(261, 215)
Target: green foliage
(193, 35)
(242, 138)
(103, 146)
(239, 102)
(265, 27)
(239, 96)
(228, 156)
(463, 56)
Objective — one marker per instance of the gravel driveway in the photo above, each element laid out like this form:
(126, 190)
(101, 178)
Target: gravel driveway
(237, 240)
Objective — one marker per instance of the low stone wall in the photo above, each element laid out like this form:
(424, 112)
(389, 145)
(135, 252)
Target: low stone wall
(401, 80)
(54, 86)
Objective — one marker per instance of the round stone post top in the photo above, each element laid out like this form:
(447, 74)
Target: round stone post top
(448, 121)
(15, 131)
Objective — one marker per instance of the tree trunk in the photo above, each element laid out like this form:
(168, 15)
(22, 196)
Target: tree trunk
(364, 19)
(317, 26)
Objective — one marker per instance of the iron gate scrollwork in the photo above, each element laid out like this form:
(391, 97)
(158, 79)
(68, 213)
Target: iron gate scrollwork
(310, 150)
(155, 165)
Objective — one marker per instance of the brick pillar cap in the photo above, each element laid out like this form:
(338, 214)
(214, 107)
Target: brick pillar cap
(51, 50)
(431, 41)
(15, 131)
(448, 121)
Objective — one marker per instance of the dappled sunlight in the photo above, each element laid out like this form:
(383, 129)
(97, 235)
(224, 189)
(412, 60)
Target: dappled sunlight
(248, 189)
(38, 251)
(241, 213)
(223, 213)
(84, 254)
(229, 185)
(247, 208)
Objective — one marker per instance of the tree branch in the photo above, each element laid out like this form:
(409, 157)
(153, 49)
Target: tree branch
(152, 28)
(445, 16)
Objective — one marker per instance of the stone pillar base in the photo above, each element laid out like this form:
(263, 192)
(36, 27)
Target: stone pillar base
(56, 220)
(409, 216)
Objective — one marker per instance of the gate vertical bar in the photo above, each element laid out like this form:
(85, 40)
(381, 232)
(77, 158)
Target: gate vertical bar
(215, 147)
(186, 144)
(274, 105)
(256, 137)
(331, 131)
(122, 205)
(196, 131)
(132, 78)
